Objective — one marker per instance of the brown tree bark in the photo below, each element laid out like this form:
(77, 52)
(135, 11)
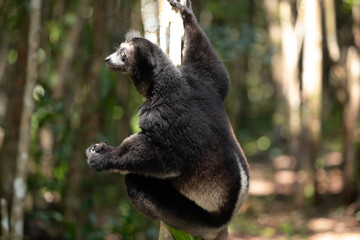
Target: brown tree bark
(15, 94)
(3, 98)
(5, 226)
(22, 160)
(272, 16)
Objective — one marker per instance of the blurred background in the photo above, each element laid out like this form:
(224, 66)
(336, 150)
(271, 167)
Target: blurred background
(293, 103)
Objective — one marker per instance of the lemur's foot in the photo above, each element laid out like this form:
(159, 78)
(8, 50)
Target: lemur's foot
(97, 148)
(96, 155)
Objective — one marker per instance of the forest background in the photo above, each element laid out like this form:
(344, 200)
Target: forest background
(293, 103)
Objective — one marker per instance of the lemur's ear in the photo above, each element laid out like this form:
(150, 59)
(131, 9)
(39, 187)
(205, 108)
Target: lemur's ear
(131, 35)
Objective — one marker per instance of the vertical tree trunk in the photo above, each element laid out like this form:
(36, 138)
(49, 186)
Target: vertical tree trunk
(171, 31)
(46, 136)
(4, 219)
(3, 98)
(149, 15)
(272, 14)
(351, 113)
(15, 94)
(290, 75)
(65, 60)
(176, 33)
(161, 19)
(22, 160)
(312, 95)
(164, 233)
(356, 26)
(330, 26)
(164, 24)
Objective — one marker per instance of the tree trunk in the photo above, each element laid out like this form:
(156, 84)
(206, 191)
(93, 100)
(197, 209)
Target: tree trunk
(161, 18)
(351, 113)
(22, 160)
(4, 219)
(272, 15)
(149, 15)
(312, 97)
(171, 31)
(330, 26)
(356, 26)
(164, 233)
(164, 24)
(290, 76)
(65, 60)
(3, 99)
(15, 94)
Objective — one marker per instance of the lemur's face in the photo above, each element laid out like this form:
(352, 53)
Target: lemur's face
(120, 60)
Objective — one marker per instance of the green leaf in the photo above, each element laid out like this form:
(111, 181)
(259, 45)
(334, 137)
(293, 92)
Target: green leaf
(180, 235)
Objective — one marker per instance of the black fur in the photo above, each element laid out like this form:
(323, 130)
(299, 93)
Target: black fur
(186, 154)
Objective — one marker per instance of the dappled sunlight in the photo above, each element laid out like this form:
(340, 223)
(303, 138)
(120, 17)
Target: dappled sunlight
(283, 162)
(261, 188)
(333, 159)
(321, 224)
(335, 236)
(284, 180)
(281, 178)
(269, 212)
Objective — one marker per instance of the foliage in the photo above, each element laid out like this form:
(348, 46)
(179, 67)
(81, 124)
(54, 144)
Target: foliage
(180, 235)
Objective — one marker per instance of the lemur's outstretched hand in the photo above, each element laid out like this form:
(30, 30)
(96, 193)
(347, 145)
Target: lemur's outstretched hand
(97, 155)
(184, 10)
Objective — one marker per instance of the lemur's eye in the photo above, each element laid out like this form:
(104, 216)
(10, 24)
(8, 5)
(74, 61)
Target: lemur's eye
(122, 53)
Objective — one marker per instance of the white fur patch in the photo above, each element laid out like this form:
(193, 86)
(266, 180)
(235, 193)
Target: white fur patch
(209, 197)
(115, 59)
(244, 186)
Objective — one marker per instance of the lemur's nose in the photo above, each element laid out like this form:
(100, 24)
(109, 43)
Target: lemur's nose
(107, 59)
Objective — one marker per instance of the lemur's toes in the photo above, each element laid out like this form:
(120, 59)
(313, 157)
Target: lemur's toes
(172, 3)
(188, 4)
(97, 148)
(93, 148)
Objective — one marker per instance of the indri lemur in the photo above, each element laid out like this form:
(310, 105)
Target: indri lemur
(185, 167)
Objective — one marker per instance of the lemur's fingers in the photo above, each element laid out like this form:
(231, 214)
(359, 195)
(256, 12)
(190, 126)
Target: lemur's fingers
(188, 5)
(186, 11)
(177, 5)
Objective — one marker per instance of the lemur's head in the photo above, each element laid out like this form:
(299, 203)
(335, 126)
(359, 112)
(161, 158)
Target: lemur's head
(135, 57)
(121, 60)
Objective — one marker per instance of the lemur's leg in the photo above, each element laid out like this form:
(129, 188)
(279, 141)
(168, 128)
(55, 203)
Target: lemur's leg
(135, 155)
(157, 199)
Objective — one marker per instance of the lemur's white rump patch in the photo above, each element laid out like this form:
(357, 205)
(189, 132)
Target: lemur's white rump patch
(209, 196)
(207, 186)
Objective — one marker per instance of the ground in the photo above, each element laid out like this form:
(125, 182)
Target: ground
(270, 212)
